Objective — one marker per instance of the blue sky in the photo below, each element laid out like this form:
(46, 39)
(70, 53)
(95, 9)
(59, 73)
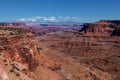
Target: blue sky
(59, 10)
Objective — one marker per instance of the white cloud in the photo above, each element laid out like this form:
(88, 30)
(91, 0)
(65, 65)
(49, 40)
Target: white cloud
(38, 17)
(60, 17)
(50, 19)
(21, 19)
(31, 19)
(67, 17)
(27, 20)
(76, 19)
(45, 19)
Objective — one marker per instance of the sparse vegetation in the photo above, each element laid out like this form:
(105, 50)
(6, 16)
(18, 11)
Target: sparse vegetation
(12, 70)
(12, 65)
(17, 74)
(4, 60)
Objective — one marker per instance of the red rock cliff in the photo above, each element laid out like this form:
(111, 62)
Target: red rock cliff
(21, 48)
(102, 26)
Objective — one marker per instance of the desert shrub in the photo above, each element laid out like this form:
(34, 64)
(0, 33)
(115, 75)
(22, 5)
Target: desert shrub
(12, 65)
(12, 70)
(17, 74)
(4, 60)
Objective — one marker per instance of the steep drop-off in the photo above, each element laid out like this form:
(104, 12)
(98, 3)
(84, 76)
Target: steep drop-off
(21, 59)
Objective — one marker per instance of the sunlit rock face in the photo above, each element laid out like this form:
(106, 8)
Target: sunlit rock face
(102, 26)
(22, 48)
(19, 45)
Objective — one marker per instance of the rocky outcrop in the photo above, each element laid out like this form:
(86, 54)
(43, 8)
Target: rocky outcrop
(102, 26)
(89, 27)
(21, 48)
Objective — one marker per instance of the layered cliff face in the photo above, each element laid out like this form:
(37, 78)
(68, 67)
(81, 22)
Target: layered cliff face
(103, 26)
(21, 49)
(18, 52)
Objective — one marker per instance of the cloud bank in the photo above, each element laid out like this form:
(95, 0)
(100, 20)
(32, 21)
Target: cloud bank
(50, 19)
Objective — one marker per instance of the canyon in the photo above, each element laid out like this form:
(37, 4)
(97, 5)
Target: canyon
(91, 52)
(96, 45)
